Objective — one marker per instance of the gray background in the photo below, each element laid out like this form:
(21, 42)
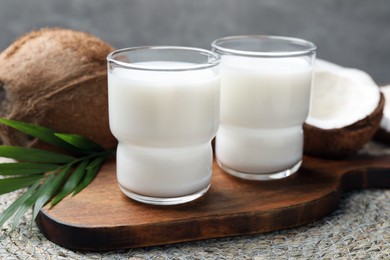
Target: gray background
(354, 33)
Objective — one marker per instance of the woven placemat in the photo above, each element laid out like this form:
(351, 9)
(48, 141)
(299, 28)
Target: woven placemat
(358, 229)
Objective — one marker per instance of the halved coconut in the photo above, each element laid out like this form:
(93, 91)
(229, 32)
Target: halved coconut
(383, 133)
(346, 110)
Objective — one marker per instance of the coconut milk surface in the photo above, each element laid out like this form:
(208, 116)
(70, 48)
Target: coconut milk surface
(264, 103)
(164, 122)
(165, 109)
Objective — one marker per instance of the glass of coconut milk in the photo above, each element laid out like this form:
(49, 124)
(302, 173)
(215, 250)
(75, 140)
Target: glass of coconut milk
(164, 105)
(265, 98)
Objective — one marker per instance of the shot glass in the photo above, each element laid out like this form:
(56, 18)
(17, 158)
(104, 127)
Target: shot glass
(164, 111)
(265, 99)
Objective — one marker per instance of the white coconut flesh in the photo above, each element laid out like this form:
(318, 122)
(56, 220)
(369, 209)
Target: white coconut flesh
(385, 122)
(341, 96)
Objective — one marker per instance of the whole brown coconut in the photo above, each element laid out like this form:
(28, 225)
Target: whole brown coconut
(343, 142)
(56, 78)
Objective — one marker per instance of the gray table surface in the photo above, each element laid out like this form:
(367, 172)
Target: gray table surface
(358, 229)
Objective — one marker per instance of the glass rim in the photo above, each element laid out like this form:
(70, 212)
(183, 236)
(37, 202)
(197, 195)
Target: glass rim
(214, 61)
(310, 46)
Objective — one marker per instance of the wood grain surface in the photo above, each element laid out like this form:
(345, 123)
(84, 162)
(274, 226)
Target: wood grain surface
(102, 218)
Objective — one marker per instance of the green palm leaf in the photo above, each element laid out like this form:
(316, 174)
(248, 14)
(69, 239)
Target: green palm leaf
(23, 209)
(16, 183)
(8, 212)
(25, 168)
(71, 183)
(49, 190)
(92, 170)
(41, 196)
(80, 142)
(34, 155)
(44, 134)
(51, 176)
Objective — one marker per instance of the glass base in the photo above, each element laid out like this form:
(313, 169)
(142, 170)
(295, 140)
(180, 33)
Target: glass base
(262, 176)
(164, 201)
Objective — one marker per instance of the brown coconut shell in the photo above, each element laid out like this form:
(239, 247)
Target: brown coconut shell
(382, 135)
(56, 78)
(342, 142)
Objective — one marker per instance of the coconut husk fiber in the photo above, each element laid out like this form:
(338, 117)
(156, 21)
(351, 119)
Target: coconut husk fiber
(56, 78)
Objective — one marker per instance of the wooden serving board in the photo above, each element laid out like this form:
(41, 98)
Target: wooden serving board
(102, 218)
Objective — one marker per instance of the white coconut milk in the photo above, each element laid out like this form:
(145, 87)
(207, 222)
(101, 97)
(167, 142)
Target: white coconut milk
(264, 103)
(164, 122)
